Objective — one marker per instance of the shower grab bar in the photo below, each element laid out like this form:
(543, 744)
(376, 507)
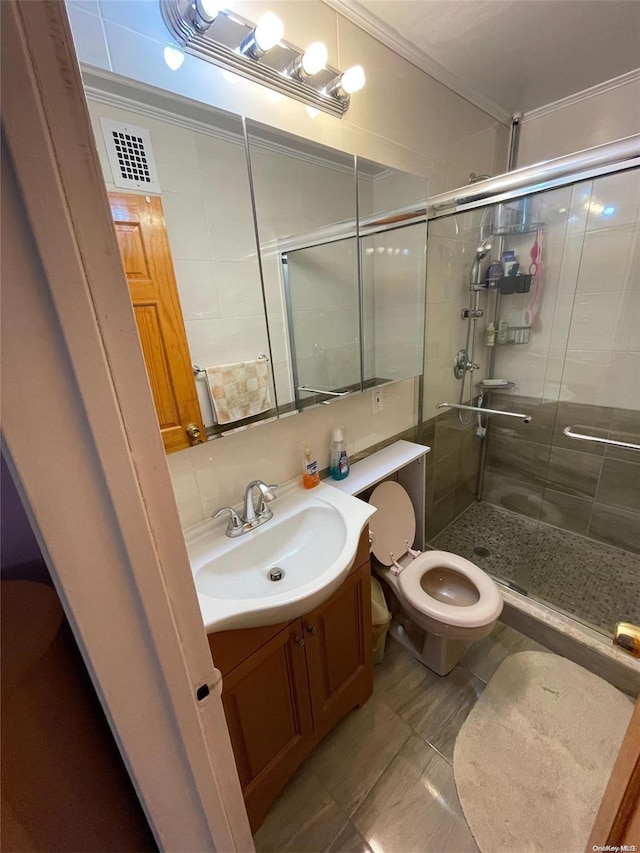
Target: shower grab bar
(626, 444)
(320, 391)
(526, 418)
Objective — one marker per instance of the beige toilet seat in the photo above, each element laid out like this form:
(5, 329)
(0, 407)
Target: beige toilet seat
(393, 530)
(485, 610)
(393, 527)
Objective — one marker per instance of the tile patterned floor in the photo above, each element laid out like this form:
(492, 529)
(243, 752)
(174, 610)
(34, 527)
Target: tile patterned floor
(590, 581)
(382, 780)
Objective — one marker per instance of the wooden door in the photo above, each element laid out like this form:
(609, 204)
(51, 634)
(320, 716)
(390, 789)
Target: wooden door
(266, 702)
(617, 824)
(338, 644)
(146, 257)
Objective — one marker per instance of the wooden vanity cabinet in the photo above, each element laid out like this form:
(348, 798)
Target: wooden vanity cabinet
(285, 686)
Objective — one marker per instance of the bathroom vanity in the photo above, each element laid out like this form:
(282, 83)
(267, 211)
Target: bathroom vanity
(285, 686)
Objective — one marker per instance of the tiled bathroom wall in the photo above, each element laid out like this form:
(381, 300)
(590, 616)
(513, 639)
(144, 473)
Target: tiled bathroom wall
(535, 470)
(214, 474)
(582, 369)
(452, 468)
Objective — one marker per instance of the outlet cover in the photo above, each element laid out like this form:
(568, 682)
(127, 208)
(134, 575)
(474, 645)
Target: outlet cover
(377, 401)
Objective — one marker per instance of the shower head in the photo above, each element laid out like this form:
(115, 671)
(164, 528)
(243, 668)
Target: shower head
(481, 252)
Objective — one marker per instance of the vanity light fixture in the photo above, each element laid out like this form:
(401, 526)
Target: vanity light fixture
(265, 35)
(211, 31)
(202, 13)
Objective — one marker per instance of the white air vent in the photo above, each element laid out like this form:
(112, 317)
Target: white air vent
(133, 165)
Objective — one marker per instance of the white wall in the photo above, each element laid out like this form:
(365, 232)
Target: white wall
(602, 114)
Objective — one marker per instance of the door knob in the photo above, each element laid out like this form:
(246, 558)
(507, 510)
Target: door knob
(299, 641)
(193, 431)
(311, 630)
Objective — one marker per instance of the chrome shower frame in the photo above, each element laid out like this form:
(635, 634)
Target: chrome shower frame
(590, 163)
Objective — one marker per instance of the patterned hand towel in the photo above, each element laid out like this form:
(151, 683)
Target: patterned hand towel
(239, 390)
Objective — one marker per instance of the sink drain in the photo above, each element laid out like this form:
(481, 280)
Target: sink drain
(481, 551)
(275, 574)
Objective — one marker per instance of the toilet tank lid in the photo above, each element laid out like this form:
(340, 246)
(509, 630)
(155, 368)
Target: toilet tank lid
(394, 524)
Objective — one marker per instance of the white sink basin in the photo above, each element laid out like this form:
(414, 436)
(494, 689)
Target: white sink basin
(312, 539)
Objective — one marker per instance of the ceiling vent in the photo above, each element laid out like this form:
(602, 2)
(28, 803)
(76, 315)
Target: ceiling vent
(133, 165)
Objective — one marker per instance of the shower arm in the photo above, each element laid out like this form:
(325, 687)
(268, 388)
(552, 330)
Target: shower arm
(526, 418)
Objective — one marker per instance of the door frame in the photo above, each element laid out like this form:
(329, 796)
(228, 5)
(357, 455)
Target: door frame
(80, 435)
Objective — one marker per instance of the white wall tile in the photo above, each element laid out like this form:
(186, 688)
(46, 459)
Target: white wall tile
(88, 35)
(187, 226)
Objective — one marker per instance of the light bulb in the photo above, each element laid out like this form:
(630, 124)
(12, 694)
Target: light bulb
(174, 57)
(210, 8)
(204, 12)
(353, 79)
(269, 30)
(314, 58)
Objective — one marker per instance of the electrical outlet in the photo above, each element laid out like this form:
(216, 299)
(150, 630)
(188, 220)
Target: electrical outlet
(377, 401)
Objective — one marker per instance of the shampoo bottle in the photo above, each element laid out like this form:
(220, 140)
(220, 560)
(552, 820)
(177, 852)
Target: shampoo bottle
(339, 461)
(490, 335)
(310, 476)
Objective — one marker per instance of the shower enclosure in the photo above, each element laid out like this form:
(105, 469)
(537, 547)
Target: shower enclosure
(547, 503)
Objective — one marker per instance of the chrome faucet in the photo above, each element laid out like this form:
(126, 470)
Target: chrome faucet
(252, 516)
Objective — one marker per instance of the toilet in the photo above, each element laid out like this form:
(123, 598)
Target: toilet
(442, 602)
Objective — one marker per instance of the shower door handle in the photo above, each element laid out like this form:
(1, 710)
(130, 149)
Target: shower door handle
(568, 431)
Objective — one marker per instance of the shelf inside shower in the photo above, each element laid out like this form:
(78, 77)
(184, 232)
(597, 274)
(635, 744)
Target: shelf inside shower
(514, 230)
(515, 335)
(496, 384)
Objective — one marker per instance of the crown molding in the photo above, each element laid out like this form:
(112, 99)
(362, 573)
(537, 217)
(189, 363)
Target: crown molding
(585, 94)
(371, 24)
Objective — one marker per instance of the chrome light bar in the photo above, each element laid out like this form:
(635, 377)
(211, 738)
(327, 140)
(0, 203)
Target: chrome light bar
(226, 40)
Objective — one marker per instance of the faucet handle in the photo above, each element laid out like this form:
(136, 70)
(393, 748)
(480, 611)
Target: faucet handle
(235, 524)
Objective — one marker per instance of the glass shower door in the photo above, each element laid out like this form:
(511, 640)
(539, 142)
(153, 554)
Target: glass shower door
(587, 553)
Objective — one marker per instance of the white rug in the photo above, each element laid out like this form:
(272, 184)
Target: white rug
(533, 757)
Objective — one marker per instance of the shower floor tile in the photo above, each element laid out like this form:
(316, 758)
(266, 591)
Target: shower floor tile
(588, 580)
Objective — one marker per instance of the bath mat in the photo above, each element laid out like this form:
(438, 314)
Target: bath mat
(533, 757)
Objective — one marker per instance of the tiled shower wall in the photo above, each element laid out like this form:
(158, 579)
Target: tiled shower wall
(587, 488)
(452, 469)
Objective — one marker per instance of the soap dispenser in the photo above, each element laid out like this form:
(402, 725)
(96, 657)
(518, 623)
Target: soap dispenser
(339, 461)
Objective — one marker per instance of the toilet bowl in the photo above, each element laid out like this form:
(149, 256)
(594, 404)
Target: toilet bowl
(443, 601)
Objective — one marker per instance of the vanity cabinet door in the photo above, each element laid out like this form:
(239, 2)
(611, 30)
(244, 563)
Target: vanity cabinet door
(338, 645)
(266, 703)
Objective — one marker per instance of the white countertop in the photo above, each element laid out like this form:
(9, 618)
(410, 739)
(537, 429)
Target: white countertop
(379, 465)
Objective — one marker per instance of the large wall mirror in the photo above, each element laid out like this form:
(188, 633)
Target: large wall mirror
(289, 258)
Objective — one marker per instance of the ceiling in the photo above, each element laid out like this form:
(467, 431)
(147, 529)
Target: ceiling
(508, 55)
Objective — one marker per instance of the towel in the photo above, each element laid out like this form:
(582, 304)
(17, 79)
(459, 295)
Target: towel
(239, 390)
